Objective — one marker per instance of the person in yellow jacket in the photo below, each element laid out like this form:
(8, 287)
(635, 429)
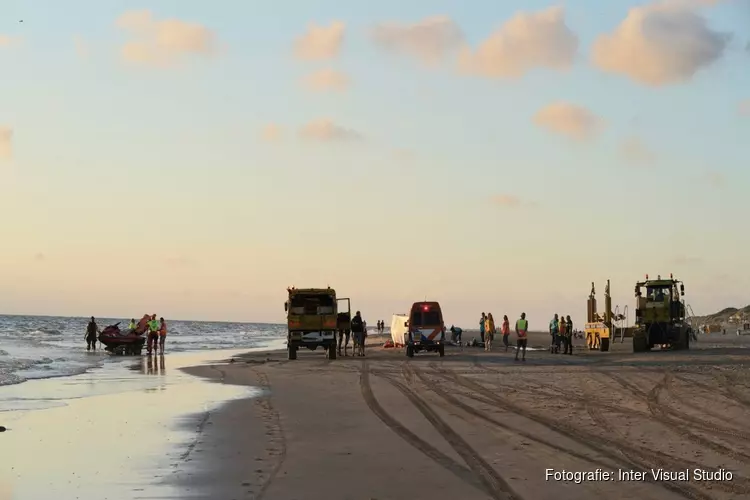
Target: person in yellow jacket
(489, 332)
(522, 330)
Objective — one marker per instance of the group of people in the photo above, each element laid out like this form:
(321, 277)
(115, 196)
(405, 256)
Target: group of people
(356, 327)
(381, 326)
(561, 331)
(157, 332)
(488, 330)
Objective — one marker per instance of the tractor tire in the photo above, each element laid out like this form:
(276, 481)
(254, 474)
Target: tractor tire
(331, 354)
(292, 351)
(604, 345)
(409, 351)
(640, 344)
(441, 350)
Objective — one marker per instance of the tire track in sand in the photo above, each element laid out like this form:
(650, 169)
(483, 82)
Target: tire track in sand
(457, 403)
(659, 410)
(494, 483)
(679, 420)
(427, 449)
(656, 459)
(597, 443)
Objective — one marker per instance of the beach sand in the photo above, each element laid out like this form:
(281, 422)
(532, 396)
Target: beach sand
(477, 425)
(116, 433)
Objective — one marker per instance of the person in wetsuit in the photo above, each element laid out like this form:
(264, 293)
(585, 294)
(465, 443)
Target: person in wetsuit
(91, 330)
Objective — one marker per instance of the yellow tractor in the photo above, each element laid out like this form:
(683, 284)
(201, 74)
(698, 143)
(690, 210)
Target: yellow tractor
(660, 316)
(599, 328)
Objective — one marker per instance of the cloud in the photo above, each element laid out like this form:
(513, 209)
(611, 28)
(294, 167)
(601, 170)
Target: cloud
(320, 42)
(569, 119)
(634, 150)
(163, 43)
(7, 41)
(271, 132)
(528, 40)
(506, 200)
(326, 79)
(659, 44)
(323, 129)
(744, 107)
(39, 257)
(82, 48)
(6, 143)
(430, 40)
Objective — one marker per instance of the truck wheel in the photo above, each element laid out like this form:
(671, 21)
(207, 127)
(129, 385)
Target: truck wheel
(640, 344)
(409, 351)
(604, 345)
(441, 350)
(292, 351)
(331, 354)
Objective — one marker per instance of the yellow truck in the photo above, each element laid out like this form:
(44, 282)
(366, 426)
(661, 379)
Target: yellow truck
(313, 319)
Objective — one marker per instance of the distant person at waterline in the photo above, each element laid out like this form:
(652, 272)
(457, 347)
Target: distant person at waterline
(91, 330)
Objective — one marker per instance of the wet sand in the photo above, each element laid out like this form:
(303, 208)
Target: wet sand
(116, 433)
(477, 425)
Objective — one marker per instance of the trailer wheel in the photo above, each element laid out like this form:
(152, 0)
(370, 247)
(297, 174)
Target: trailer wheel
(292, 351)
(441, 350)
(409, 351)
(604, 345)
(331, 353)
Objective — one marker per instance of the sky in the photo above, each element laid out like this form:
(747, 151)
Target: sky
(194, 159)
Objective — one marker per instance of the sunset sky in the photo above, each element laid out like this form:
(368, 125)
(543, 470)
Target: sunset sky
(195, 158)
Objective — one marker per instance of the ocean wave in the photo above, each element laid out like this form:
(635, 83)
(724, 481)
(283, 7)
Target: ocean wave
(39, 347)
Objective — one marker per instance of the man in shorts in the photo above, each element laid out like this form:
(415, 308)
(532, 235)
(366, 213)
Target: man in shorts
(522, 329)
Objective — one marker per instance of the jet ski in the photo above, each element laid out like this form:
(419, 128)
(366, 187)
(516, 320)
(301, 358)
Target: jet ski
(121, 342)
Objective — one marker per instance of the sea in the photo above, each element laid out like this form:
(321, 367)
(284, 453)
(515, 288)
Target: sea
(38, 347)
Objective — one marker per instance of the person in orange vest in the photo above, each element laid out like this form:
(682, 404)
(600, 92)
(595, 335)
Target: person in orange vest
(162, 335)
(505, 329)
(522, 329)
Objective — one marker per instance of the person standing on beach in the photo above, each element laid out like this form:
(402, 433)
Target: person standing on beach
(482, 327)
(489, 332)
(569, 335)
(162, 334)
(569, 326)
(358, 330)
(563, 329)
(554, 331)
(344, 325)
(505, 329)
(153, 333)
(91, 330)
(522, 329)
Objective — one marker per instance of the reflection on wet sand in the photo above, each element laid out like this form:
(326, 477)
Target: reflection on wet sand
(150, 365)
(107, 421)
